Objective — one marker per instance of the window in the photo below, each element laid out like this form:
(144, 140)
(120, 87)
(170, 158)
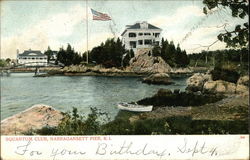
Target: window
(147, 41)
(132, 44)
(147, 34)
(32, 58)
(140, 34)
(132, 34)
(140, 42)
(157, 43)
(157, 34)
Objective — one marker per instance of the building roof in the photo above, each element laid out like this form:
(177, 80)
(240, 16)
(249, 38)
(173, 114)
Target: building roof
(32, 53)
(138, 26)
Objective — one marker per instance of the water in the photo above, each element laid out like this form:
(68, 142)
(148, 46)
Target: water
(20, 91)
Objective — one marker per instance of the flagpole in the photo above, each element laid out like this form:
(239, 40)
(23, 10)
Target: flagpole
(87, 55)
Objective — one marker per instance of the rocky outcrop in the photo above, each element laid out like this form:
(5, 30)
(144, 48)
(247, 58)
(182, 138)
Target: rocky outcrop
(244, 80)
(158, 78)
(242, 86)
(36, 117)
(219, 86)
(145, 63)
(204, 83)
(196, 82)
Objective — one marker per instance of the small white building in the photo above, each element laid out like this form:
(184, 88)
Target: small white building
(32, 58)
(141, 35)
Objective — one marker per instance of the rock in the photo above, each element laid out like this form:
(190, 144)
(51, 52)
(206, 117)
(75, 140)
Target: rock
(144, 63)
(158, 78)
(163, 92)
(219, 86)
(243, 81)
(196, 82)
(181, 70)
(242, 89)
(165, 97)
(75, 69)
(35, 117)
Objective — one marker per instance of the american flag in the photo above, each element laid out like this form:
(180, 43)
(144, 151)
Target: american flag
(100, 16)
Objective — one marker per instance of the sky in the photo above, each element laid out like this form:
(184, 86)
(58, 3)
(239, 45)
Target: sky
(38, 24)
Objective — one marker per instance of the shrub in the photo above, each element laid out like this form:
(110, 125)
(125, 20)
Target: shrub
(165, 97)
(75, 124)
(118, 127)
(225, 74)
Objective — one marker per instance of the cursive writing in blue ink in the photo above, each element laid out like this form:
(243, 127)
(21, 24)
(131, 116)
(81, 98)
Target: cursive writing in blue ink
(197, 149)
(62, 152)
(22, 150)
(127, 148)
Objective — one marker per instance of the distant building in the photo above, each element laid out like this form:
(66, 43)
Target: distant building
(141, 35)
(32, 58)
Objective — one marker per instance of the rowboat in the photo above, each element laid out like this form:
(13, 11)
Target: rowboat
(134, 107)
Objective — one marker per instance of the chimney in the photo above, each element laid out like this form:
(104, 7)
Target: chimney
(144, 25)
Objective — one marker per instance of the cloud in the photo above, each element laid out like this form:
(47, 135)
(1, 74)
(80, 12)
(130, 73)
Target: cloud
(202, 38)
(94, 40)
(180, 24)
(45, 32)
(181, 14)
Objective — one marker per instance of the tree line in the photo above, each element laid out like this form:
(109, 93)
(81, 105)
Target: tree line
(112, 53)
(221, 56)
(172, 55)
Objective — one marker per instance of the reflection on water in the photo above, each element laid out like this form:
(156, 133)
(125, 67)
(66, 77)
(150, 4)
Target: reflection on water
(20, 91)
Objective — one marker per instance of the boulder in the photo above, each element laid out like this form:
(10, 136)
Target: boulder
(196, 82)
(243, 81)
(219, 86)
(35, 117)
(242, 89)
(145, 63)
(158, 78)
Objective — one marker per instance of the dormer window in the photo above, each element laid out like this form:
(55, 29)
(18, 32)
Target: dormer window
(132, 34)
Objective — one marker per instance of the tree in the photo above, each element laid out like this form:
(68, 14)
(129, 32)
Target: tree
(49, 53)
(69, 56)
(3, 63)
(127, 57)
(109, 53)
(156, 51)
(8, 60)
(239, 36)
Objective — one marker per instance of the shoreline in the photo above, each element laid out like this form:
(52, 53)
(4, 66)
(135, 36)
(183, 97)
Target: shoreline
(230, 109)
(91, 71)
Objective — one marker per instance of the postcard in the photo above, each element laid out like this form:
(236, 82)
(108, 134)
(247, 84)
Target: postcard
(125, 79)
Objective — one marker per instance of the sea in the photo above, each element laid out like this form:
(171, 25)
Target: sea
(20, 91)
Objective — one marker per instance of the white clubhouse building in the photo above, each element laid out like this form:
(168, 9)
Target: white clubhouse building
(141, 35)
(32, 58)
